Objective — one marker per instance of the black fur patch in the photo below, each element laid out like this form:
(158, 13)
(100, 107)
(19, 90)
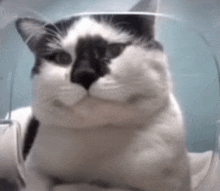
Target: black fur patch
(5, 185)
(138, 25)
(30, 136)
(90, 63)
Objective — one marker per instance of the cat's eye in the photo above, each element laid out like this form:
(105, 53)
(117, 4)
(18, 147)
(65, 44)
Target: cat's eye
(62, 58)
(115, 49)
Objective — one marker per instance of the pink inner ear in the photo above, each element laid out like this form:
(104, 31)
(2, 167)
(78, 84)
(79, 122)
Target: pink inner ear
(30, 29)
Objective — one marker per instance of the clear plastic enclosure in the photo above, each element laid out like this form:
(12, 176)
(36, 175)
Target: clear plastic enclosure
(189, 32)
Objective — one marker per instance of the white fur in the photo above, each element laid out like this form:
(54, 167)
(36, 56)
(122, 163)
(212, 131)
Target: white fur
(127, 129)
(88, 26)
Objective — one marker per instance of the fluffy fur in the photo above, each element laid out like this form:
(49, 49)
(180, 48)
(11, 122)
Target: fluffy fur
(126, 130)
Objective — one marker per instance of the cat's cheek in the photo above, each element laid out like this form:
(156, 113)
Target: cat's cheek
(108, 88)
(130, 65)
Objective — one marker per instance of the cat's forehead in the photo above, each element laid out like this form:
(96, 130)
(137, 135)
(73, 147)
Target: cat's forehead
(89, 26)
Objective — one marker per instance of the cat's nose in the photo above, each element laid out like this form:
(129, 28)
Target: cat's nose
(84, 77)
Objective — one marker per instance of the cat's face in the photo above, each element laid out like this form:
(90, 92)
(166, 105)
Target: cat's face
(87, 61)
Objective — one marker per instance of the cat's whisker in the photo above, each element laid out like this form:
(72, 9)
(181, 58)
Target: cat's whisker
(102, 19)
(58, 31)
(32, 35)
(109, 21)
(54, 34)
(54, 44)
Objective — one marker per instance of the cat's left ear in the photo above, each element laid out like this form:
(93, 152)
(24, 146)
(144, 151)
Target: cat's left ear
(30, 30)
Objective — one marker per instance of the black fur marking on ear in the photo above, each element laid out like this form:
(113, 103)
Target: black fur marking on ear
(137, 25)
(30, 136)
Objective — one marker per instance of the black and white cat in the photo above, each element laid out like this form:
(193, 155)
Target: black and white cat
(103, 107)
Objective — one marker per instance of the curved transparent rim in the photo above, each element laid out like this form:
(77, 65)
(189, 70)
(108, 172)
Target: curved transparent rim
(215, 157)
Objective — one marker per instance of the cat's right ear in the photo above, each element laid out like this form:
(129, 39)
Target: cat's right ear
(30, 30)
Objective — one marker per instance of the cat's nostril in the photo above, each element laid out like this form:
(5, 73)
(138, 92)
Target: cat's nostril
(84, 77)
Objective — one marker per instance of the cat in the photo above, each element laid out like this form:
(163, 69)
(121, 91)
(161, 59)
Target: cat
(103, 112)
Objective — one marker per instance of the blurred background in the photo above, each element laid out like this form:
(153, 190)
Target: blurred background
(190, 39)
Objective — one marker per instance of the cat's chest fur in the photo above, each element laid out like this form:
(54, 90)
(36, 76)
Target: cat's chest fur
(103, 153)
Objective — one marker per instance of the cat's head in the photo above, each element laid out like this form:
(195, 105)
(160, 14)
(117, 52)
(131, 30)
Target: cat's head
(112, 57)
